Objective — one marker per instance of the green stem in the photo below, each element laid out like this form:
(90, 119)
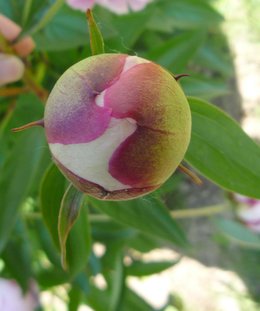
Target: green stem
(29, 80)
(12, 91)
(26, 11)
(200, 212)
(177, 214)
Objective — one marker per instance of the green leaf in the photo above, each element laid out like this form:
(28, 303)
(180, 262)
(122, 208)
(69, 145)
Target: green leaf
(75, 296)
(130, 28)
(28, 108)
(19, 247)
(147, 214)
(67, 30)
(78, 244)
(132, 301)
(118, 280)
(69, 211)
(188, 14)
(52, 277)
(140, 268)
(17, 174)
(212, 56)
(204, 87)
(52, 190)
(144, 243)
(222, 151)
(104, 229)
(45, 241)
(238, 233)
(98, 299)
(175, 53)
(96, 39)
(48, 15)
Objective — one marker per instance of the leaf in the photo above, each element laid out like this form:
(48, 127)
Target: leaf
(78, 244)
(50, 277)
(144, 243)
(16, 176)
(118, 280)
(75, 296)
(69, 211)
(67, 30)
(45, 242)
(238, 233)
(175, 53)
(204, 87)
(130, 28)
(19, 247)
(140, 268)
(98, 299)
(52, 190)
(133, 301)
(213, 57)
(188, 14)
(148, 215)
(28, 108)
(50, 12)
(96, 39)
(106, 230)
(222, 151)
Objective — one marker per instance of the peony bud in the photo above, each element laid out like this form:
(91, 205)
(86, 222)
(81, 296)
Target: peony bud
(117, 126)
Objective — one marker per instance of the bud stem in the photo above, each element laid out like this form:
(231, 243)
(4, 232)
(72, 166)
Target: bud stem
(29, 125)
(191, 174)
(177, 77)
(12, 91)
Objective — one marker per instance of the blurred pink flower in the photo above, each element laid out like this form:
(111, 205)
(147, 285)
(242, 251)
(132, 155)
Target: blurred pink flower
(12, 298)
(248, 211)
(116, 6)
(12, 67)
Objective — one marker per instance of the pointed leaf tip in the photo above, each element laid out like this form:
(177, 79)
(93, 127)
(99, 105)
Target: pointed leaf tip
(96, 38)
(69, 211)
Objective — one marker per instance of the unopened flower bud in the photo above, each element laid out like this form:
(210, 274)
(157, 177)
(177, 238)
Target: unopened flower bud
(117, 125)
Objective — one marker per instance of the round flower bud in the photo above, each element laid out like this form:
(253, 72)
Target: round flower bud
(117, 126)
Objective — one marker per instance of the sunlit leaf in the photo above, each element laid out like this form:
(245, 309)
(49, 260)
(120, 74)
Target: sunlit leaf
(140, 268)
(16, 177)
(147, 214)
(222, 151)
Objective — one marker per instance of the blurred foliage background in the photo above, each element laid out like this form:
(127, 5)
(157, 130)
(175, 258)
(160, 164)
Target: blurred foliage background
(185, 36)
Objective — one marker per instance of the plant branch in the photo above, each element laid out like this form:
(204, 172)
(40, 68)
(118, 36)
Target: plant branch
(200, 212)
